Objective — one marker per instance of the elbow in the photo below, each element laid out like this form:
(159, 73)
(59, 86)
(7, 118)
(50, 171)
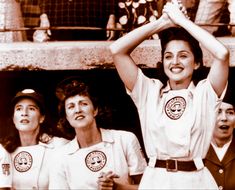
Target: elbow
(117, 49)
(113, 49)
(223, 55)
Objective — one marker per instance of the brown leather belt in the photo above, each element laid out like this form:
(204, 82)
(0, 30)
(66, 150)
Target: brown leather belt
(175, 165)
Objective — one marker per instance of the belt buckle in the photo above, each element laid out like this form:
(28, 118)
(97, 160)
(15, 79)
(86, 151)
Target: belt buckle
(169, 164)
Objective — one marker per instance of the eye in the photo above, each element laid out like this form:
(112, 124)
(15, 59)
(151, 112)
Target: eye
(32, 108)
(231, 112)
(183, 55)
(17, 108)
(167, 56)
(70, 106)
(83, 103)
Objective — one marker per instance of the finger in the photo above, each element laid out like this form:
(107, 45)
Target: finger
(49, 32)
(175, 2)
(101, 174)
(113, 175)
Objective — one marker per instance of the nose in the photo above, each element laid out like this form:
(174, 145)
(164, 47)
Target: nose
(24, 112)
(223, 116)
(175, 60)
(77, 108)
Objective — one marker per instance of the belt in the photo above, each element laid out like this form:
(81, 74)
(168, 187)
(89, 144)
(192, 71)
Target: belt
(175, 165)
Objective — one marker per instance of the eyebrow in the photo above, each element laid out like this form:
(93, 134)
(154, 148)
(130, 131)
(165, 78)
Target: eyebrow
(30, 105)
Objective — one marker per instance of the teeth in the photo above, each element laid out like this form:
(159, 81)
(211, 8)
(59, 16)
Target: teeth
(24, 121)
(176, 69)
(79, 117)
(224, 127)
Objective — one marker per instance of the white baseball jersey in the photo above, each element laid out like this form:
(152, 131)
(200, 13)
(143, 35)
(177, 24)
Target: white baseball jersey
(31, 164)
(79, 168)
(5, 168)
(176, 124)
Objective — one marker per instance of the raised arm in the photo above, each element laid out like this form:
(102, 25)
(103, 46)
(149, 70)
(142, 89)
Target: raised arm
(122, 48)
(218, 74)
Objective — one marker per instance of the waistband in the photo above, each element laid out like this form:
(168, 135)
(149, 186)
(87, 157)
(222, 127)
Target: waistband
(175, 165)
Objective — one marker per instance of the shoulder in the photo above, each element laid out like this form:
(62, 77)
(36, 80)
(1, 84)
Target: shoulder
(3, 152)
(58, 141)
(119, 134)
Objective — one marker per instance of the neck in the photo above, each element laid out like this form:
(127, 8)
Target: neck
(88, 136)
(178, 85)
(28, 138)
(221, 142)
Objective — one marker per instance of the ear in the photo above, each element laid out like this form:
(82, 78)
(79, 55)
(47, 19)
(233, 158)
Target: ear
(96, 112)
(42, 118)
(197, 65)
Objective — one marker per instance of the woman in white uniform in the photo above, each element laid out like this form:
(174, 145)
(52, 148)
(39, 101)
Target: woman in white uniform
(177, 120)
(93, 152)
(5, 169)
(30, 146)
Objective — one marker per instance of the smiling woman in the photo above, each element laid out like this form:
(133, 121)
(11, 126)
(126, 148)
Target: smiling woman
(177, 119)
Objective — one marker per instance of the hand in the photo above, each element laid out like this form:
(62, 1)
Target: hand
(111, 24)
(176, 11)
(105, 180)
(45, 138)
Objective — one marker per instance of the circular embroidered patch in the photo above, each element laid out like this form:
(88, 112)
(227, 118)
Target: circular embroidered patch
(23, 161)
(175, 107)
(95, 160)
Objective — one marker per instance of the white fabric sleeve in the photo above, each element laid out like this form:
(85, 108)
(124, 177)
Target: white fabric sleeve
(5, 168)
(134, 155)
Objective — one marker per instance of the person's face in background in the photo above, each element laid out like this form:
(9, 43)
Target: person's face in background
(27, 116)
(80, 111)
(225, 122)
(179, 62)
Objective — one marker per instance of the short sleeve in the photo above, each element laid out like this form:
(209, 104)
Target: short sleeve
(5, 168)
(134, 155)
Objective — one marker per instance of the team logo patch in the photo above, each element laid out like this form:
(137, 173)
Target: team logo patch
(95, 160)
(23, 161)
(6, 169)
(175, 107)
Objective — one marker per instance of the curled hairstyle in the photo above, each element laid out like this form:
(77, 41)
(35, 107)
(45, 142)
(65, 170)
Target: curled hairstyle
(181, 34)
(67, 88)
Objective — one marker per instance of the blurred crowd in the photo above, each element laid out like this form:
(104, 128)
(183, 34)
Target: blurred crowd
(101, 20)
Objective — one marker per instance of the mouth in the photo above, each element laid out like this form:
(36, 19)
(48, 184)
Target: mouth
(79, 117)
(224, 127)
(24, 121)
(176, 69)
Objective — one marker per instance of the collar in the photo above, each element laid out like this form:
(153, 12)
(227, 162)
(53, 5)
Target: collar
(47, 145)
(167, 88)
(106, 136)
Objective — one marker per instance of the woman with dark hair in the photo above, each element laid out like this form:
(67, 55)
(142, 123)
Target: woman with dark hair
(30, 144)
(177, 120)
(94, 153)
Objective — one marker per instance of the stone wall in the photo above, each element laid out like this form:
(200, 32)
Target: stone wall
(84, 55)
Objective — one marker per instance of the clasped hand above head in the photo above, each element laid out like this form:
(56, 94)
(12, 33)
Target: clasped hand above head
(175, 11)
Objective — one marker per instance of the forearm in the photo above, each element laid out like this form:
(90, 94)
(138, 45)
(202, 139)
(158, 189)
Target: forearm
(125, 187)
(127, 43)
(208, 41)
